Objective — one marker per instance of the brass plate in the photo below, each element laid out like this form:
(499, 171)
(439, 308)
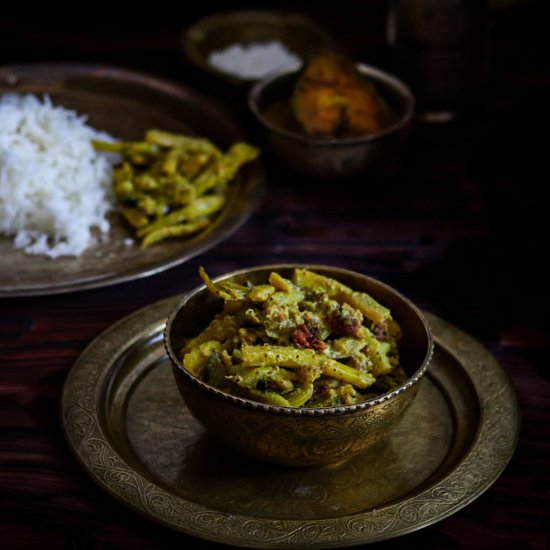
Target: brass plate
(128, 426)
(125, 104)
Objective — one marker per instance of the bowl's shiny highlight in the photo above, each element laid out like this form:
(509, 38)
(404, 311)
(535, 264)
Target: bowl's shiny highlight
(298, 436)
(334, 157)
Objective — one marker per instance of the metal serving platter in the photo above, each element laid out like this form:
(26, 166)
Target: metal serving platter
(126, 423)
(125, 104)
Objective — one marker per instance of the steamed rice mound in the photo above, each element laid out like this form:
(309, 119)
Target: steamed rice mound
(55, 189)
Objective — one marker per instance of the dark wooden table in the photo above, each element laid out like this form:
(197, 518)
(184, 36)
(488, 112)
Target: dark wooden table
(460, 226)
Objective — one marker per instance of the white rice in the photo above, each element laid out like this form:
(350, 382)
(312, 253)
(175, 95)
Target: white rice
(55, 189)
(253, 60)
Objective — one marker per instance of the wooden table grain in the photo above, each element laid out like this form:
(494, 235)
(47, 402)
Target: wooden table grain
(459, 225)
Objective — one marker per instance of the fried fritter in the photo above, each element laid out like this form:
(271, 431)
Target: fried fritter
(332, 98)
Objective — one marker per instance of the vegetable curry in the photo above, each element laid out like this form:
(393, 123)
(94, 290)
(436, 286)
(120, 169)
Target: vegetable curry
(172, 185)
(303, 341)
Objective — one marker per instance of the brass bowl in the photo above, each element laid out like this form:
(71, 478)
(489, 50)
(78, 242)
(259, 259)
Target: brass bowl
(298, 436)
(331, 157)
(296, 32)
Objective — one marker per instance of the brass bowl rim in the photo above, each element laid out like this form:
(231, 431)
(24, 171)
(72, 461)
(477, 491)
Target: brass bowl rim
(299, 411)
(371, 71)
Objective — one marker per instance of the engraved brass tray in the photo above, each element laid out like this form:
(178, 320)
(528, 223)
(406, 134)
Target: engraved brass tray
(125, 421)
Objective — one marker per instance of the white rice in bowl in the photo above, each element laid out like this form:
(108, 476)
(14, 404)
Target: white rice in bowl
(55, 189)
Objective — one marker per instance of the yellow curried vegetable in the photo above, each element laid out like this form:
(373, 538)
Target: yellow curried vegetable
(307, 341)
(172, 185)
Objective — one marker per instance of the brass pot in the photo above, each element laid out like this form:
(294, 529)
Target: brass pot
(333, 157)
(298, 436)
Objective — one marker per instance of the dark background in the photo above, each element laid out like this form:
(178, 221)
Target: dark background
(460, 227)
